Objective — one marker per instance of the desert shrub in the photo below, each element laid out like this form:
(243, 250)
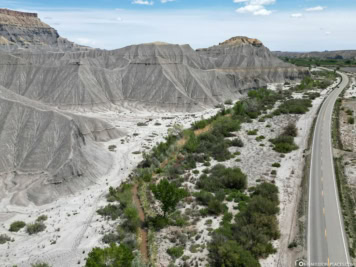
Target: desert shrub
(284, 144)
(34, 228)
(145, 175)
(132, 219)
(175, 252)
(111, 238)
(294, 106)
(230, 254)
(118, 256)
(253, 229)
(216, 207)
(214, 145)
(351, 120)
(291, 130)
(42, 218)
(16, 226)
(112, 147)
(40, 264)
(222, 178)
(141, 124)
(260, 138)
(4, 238)
(225, 125)
(252, 132)
(158, 222)
(349, 112)
(276, 165)
(111, 211)
(203, 197)
(236, 142)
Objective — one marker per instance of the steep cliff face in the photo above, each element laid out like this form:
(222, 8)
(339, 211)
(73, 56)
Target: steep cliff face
(19, 30)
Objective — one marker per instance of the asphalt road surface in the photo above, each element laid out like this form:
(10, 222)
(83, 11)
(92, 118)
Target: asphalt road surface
(327, 244)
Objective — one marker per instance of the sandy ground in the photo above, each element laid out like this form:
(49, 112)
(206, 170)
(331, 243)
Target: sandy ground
(73, 226)
(351, 92)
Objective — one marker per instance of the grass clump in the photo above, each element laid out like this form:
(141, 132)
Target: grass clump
(36, 227)
(175, 252)
(42, 218)
(17, 226)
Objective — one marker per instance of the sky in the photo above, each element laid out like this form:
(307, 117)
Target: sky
(286, 25)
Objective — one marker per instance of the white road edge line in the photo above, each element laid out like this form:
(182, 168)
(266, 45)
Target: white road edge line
(333, 173)
(310, 183)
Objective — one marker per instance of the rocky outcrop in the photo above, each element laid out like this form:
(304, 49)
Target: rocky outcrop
(240, 40)
(21, 30)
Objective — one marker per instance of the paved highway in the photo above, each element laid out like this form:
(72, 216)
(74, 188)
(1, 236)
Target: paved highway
(327, 244)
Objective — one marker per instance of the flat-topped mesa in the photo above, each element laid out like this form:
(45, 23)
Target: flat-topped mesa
(17, 13)
(238, 40)
(22, 30)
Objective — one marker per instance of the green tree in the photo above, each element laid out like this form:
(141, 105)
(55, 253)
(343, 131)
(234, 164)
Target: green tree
(113, 256)
(168, 194)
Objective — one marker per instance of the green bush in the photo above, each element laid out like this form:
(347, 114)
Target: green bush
(228, 102)
(225, 125)
(252, 132)
(351, 120)
(111, 211)
(42, 218)
(237, 142)
(291, 130)
(175, 252)
(294, 106)
(222, 178)
(111, 238)
(16, 226)
(34, 228)
(203, 197)
(253, 229)
(230, 254)
(4, 238)
(118, 256)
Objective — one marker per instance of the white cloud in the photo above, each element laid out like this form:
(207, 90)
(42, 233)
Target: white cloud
(255, 7)
(317, 8)
(85, 41)
(297, 15)
(143, 2)
(202, 28)
(166, 1)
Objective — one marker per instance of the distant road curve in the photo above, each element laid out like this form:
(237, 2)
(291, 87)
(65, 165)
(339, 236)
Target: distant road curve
(327, 243)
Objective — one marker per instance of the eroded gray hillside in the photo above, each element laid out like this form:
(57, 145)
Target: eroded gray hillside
(50, 141)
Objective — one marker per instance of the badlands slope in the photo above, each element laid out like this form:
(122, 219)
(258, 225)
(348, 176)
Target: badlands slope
(55, 97)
